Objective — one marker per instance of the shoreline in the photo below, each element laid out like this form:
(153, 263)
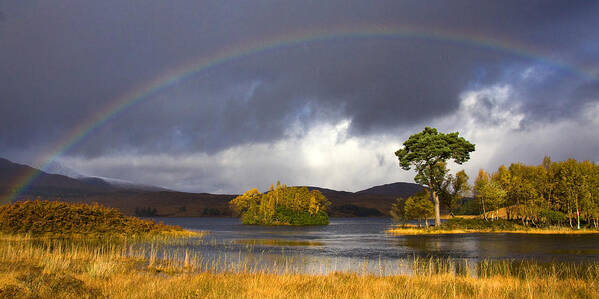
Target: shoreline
(536, 231)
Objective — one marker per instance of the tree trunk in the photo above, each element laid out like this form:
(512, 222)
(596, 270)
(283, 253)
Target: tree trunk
(570, 215)
(482, 201)
(577, 215)
(437, 209)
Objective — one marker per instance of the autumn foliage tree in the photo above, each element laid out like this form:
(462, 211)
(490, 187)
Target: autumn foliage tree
(282, 205)
(552, 193)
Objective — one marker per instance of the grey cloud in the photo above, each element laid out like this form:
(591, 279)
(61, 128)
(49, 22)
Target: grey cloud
(64, 61)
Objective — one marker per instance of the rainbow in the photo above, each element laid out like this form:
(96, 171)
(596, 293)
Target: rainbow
(203, 63)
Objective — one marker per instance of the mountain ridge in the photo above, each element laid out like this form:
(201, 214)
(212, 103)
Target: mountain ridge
(374, 201)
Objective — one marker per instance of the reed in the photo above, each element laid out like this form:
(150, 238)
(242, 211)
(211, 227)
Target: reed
(60, 268)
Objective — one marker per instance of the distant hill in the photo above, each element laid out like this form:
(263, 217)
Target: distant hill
(395, 189)
(45, 184)
(374, 201)
(144, 200)
(57, 168)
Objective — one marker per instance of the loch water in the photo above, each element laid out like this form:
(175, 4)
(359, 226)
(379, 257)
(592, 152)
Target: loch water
(362, 245)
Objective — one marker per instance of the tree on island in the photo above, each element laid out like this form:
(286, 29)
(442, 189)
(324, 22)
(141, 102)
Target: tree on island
(428, 152)
(453, 190)
(282, 205)
(544, 195)
(489, 193)
(417, 206)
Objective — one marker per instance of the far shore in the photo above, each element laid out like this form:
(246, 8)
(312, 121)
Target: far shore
(399, 231)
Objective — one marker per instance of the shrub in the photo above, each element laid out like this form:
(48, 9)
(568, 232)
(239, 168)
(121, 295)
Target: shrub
(552, 217)
(54, 217)
(461, 223)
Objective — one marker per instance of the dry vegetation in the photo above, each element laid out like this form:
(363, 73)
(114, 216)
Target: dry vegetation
(399, 231)
(60, 219)
(41, 265)
(60, 269)
(462, 225)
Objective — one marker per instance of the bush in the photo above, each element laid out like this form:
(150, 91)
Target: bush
(61, 218)
(461, 223)
(552, 217)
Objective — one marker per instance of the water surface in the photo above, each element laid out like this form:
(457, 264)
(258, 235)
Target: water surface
(361, 244)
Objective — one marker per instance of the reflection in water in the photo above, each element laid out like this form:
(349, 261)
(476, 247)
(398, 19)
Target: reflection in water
(361, 245)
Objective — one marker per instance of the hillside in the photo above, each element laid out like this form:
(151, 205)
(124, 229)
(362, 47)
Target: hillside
(45, 184)
(375, 201)
(395, 189)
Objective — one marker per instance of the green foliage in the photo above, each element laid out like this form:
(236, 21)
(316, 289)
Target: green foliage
(417, 206)
(285, 215)
(428, 147)
(478, 224)
(553, 217)
(60, 218)
(282, 206)
(428, 152)
(398, 210)
(469, 206)
(453, 190)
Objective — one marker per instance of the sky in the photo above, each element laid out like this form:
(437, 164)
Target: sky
(224, 96)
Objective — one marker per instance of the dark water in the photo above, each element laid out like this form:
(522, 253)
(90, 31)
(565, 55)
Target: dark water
(361, 244)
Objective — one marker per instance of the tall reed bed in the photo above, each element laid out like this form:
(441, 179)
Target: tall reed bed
(60, 268)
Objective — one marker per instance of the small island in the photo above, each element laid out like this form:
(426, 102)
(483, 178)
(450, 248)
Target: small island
(282, 205)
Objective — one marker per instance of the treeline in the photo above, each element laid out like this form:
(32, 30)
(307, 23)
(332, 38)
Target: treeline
(552, 193)
(146, 212)
(282, 205)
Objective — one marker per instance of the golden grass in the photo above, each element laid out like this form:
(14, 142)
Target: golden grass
(59, 269)
(476, 224)
(401, 231)
(430, 231)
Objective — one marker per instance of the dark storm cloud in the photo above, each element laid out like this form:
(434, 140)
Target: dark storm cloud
(62, 61)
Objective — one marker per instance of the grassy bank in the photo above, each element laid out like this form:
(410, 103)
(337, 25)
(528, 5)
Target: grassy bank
(460, 225)
(41, 219)
(54, 269)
